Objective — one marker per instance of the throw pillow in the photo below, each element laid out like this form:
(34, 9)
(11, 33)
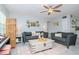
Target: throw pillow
(33, 33)
(58, 34)
(37, 34)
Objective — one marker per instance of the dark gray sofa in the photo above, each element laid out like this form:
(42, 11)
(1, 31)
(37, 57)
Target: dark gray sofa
(66, 39)
(28, 35)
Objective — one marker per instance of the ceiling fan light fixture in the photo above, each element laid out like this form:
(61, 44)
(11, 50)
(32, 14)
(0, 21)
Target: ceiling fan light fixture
(50, 10)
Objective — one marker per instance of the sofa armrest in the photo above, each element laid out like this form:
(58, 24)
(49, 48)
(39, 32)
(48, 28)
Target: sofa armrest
(23, 36)
(52, 35)
(71, 38)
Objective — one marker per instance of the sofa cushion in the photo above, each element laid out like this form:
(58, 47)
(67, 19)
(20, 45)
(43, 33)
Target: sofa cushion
(31, 37)
(27, 33)
(64, 35)
(60, 39)
(35, 34)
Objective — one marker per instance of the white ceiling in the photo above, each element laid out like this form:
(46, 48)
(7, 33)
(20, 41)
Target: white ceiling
(35, 9)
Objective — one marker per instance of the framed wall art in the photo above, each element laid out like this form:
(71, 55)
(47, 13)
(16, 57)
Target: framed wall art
(33, 23)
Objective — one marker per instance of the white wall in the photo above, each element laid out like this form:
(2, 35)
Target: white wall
(52, 28)
(77, 32)
(3, 14)
(21, 23)
(66, 24)
(4, 10)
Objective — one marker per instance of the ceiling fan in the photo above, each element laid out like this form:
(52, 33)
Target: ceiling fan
(51, 9)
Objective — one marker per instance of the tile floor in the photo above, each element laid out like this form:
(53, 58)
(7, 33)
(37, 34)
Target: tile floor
(58, 49)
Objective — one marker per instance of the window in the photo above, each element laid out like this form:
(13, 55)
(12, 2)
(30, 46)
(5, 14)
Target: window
(2, 23)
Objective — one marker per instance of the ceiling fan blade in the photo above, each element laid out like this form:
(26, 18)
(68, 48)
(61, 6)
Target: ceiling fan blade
(57, 6)
(46, 7)
(57, 10)
(43, 11)
(49, 13)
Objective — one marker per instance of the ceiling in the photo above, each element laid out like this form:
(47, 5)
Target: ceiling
(35, 9)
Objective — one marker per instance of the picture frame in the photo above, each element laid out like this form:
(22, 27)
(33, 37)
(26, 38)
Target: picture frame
(32, 23)
(56, 23)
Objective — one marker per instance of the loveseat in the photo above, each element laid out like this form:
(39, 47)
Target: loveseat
(64, 38)
(28, 35)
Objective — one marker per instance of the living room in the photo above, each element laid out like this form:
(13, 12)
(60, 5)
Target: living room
(29, 20)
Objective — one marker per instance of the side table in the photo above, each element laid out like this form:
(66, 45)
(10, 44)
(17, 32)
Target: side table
(18, 39)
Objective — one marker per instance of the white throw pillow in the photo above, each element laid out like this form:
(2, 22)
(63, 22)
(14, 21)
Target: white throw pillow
(58, 34)
(37, 34)
(33, 33)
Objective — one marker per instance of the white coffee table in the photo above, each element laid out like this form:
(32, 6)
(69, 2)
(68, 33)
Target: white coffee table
(36, 46)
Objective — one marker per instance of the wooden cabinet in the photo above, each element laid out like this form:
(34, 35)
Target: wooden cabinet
(11, 31)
